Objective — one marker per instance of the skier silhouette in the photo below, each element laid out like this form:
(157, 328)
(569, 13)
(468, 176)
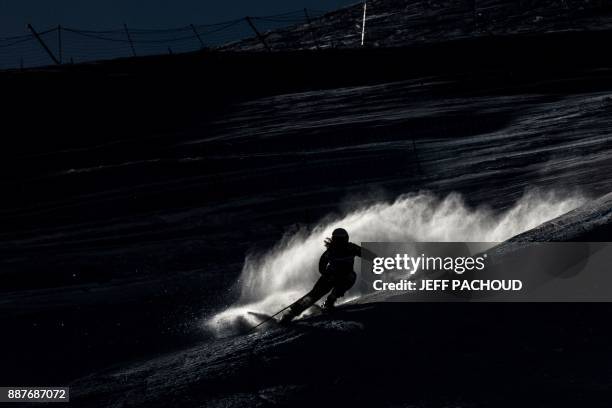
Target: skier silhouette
(337, 275)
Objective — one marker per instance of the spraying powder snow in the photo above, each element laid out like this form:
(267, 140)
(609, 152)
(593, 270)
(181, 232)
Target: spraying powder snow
(274, 279)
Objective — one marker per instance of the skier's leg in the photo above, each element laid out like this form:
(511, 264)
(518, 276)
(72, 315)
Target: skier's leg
(323, 285)
(341, 285)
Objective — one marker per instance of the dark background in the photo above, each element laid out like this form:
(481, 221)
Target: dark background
(132, 190)
(132, 198)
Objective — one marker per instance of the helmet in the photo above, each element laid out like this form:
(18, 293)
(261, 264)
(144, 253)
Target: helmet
(340, 236)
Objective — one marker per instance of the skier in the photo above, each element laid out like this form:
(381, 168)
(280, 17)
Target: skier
(337, 275)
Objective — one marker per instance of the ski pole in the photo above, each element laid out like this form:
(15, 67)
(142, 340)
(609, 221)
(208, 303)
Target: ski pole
(277, 313)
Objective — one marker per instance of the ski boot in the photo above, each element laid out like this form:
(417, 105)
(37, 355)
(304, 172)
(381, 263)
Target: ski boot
(287, 317)
(330, 304)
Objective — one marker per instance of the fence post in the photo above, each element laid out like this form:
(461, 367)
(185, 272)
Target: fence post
(314, 37)
(261, 38)
(127, 32)
(42, 43)
(195, 31)
(59, 42)
(365, 6)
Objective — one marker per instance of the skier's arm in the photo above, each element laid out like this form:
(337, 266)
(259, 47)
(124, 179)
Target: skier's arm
(364, 253)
